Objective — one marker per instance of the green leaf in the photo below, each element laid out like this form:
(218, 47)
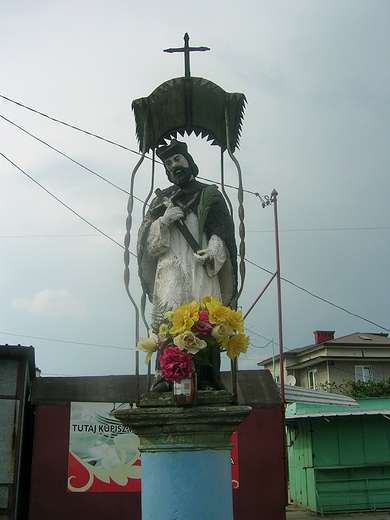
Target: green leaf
(208, 196)
(158, 311)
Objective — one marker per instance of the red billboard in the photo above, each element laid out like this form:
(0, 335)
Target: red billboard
(103, 454)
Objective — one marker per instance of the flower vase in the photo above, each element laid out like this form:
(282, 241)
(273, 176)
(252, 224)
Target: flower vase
(184, 393)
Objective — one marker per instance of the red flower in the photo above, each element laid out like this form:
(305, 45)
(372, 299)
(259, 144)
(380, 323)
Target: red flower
(202, 327)
(176, 365)
(162, 344)
(204, 316)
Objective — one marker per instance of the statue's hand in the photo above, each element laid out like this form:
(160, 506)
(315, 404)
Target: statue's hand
(172, 213)
(204, 256)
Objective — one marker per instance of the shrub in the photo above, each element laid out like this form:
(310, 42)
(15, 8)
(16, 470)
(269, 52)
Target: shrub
(359, 389)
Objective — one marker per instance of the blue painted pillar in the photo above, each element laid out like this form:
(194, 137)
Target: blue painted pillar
(185, 461)
(187, 485)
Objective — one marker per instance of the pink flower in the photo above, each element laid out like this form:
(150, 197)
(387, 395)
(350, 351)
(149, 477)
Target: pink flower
(204, 316)
(161, 344)
(176, 365)
(202, 327)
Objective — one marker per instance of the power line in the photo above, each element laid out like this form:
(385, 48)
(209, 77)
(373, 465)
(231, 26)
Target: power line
(62, 236)
(159, 162)
(65, 341)
(129, 149)
(318, 297)
(63, 203)
(109, 141)
(334, 305)
(253, 263)
(319, 229)
(69, 125)
(68, 157)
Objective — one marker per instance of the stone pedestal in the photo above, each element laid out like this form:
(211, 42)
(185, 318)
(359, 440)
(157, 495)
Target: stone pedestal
(186, 471)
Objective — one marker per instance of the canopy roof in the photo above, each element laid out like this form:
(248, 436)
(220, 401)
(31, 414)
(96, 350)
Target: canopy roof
(186, 105)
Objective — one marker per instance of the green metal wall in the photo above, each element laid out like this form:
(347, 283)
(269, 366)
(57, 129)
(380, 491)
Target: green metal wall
(301, 474)
(340, 463)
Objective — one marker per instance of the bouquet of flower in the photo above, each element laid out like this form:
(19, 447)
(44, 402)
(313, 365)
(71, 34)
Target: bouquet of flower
(188, 335)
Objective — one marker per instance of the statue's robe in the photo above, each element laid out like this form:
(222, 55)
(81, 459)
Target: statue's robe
(170, 275)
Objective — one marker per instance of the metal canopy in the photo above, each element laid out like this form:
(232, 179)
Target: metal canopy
(186, 105)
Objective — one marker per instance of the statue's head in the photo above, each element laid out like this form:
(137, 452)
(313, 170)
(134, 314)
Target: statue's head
(179, 164)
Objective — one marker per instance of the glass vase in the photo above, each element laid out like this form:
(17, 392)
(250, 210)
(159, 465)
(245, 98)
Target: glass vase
(184, 393)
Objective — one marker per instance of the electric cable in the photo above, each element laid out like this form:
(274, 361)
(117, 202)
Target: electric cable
(319, 297)
(66, 341)
(101, 177)
(109, 141)
(66, 156)
(253, 263)
(69, 125)
(63, 203)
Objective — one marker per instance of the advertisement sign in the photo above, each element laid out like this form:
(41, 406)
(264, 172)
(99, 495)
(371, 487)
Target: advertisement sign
(103, 454)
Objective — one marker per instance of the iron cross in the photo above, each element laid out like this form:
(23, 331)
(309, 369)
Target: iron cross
(187, 49)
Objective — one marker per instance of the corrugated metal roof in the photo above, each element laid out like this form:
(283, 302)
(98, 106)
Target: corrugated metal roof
(384, 412)
(297, 394)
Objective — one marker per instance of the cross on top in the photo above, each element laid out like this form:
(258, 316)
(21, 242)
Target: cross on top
(187, 49)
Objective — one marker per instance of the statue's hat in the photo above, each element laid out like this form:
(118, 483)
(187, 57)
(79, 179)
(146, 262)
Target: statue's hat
(166, 151)
(170, 149)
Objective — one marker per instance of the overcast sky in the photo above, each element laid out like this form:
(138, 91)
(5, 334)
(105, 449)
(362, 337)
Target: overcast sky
(316, 129)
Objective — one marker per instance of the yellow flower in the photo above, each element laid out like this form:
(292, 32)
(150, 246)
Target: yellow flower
(147, 345)
(221, 332)
(189, 342)
(163, 332)
(237, 344)
(204, 301)
(236, 320)
(168, 315)
(217, 312)
(183, 318)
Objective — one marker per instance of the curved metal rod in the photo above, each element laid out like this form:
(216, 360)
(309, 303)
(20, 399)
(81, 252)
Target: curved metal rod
(143, 305)
(151, 184)
(240, 211)
(143, 297)
(228, 201)
(126, 275)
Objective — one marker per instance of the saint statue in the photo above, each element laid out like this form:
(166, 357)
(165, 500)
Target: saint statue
(186, 248)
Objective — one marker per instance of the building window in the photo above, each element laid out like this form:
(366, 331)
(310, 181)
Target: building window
(363, 373)
(312, 379)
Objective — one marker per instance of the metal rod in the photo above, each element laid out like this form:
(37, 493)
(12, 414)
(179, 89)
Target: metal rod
(278, 281)
(126, 276)
(260, 295)
(274, 195)
(187, 71)
(240, 195)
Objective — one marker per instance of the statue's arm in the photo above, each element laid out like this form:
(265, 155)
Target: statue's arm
(158, 239)
(213, 256)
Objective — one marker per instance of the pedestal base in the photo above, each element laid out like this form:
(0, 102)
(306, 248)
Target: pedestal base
(187, 485)
(185, 461)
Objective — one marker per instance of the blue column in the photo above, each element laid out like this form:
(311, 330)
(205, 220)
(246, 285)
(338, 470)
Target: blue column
(185, 459)
(186, 485)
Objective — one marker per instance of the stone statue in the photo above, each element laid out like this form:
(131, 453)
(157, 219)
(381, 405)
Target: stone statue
(184, 254)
